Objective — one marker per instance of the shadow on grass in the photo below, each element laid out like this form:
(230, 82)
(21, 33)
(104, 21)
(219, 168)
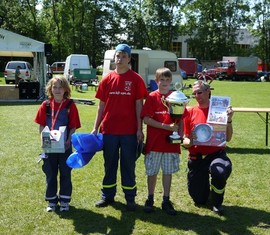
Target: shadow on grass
(237, 220)
(258, 151)
(89, 222)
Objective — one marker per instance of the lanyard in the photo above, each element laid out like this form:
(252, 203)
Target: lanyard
(54, 117)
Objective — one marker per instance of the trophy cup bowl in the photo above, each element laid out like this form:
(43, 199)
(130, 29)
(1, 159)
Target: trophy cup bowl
(177, 104)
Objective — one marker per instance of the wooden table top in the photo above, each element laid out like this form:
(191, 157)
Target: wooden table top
(260, 110)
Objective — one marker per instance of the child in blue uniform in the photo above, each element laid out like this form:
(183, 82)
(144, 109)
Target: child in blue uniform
(58, 111)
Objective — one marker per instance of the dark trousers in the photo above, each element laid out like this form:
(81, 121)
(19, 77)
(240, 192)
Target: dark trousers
(121, 147)
(56, 162)
(217, 166)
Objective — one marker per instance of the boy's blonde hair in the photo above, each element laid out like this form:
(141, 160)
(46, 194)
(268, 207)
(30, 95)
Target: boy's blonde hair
(63, 82)
(163, 72)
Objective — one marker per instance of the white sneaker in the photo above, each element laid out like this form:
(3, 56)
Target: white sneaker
(64, 206)
(51, 207)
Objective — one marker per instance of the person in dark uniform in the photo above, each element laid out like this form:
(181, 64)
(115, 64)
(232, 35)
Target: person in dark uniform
(206, 161)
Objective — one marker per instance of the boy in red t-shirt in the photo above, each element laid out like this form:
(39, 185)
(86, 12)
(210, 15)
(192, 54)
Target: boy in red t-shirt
(121, 95)
(160, 153)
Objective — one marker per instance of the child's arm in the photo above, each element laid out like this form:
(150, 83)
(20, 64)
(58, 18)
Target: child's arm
(41, 128)
(99, 114)
(68, 141)
(169, 127)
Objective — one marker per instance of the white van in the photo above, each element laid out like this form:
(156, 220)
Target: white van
(146, 62)
(75, 61)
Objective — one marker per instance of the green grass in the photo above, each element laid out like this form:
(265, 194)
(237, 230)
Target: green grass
(2, 80)
(247, 204)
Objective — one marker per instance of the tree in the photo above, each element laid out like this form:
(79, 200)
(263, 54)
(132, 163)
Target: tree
(212, 26)
(22, 17)
(261, 22)
(93, 26)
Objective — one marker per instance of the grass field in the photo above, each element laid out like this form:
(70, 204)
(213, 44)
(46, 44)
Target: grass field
(247, 203)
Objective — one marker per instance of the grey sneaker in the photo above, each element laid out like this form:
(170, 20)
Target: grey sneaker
(218, 210)
(64, 206)
(104, 202)
(51, 207)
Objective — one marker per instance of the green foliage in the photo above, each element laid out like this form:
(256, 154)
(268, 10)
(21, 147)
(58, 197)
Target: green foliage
(261, 19)
(93, 26)
(215, 24)
(247, 204)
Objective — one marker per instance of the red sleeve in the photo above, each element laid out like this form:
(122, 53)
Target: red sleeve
(142, 91)
(41, 115)
(187, 122)
(148, 108)
(101, 91)
(74, 119)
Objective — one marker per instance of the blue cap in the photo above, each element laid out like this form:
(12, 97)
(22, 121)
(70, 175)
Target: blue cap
(123, 48)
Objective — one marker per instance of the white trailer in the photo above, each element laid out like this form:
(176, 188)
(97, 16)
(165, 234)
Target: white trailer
(145, 63)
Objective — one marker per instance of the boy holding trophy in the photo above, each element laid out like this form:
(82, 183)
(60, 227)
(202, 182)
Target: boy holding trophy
(160, 152)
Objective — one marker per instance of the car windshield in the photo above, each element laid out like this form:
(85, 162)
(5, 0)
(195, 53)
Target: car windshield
(224, 64)
(15, 65)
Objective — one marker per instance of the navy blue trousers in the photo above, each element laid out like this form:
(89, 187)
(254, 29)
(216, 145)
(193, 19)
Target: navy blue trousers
(56, 162)
(219, 168)
(123, 148)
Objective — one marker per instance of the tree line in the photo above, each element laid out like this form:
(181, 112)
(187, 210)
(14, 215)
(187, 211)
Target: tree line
(93, 26)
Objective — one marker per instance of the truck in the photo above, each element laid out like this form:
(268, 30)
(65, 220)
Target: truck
(145, 62)
(78, 69)
(237, 68)
(190, 65)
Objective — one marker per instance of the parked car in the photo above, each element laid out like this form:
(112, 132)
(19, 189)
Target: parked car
(26, 71)
(209, 72)
(183, 74)
(263, 76)
(58, 67)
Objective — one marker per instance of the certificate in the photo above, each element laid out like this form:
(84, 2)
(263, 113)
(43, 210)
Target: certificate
(218, 110)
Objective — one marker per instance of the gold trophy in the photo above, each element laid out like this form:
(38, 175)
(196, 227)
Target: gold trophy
(177, 104)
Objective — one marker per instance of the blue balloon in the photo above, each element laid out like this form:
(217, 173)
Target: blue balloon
(79, 160)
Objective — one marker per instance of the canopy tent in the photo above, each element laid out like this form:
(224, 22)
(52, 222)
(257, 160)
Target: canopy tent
(12, 44)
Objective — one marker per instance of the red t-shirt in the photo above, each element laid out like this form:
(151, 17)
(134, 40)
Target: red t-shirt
(197, 115)
(157, 139)
(73, 115)
(120, 92)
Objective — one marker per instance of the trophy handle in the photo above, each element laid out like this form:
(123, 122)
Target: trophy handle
(178, 86)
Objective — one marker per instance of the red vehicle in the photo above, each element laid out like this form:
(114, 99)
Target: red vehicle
(209, 73)
(190, 65)
(237, 68)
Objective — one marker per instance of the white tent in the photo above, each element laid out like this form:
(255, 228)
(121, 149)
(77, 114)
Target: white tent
(12, 44)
